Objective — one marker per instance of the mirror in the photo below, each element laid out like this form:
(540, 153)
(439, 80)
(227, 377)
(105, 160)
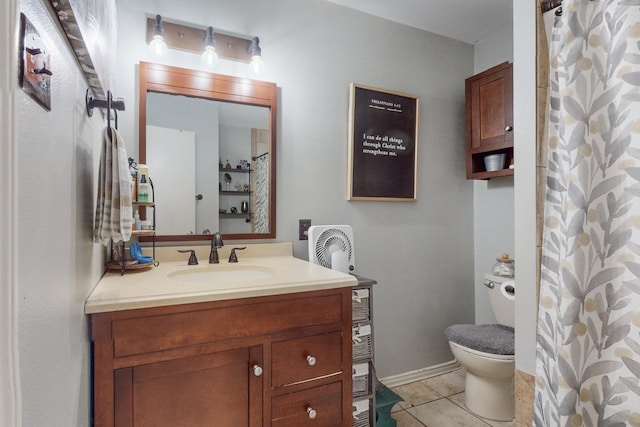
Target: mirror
(209, 142)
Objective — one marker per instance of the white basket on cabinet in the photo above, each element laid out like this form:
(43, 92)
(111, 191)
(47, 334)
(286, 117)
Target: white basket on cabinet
(362, 341)
(362, 410)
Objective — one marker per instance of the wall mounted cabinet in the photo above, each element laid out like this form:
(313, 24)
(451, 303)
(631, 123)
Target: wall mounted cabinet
(489, 120)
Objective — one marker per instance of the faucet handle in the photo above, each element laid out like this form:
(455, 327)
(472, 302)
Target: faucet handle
(193, 260)
(233, 257)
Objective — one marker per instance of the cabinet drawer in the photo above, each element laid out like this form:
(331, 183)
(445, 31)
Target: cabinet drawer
(306, 358)
(162, 331)
(323, 403)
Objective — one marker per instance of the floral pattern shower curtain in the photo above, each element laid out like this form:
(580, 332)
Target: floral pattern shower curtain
(261, 201)
(588, 345)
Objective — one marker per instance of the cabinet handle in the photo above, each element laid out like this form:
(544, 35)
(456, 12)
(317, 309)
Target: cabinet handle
(257, 370)
(311, 412)
(311, 360)
(508, 128)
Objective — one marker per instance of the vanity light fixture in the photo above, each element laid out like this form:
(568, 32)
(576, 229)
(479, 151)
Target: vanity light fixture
(217, 45)
(209, 56)
(157, 44)
(255, 51)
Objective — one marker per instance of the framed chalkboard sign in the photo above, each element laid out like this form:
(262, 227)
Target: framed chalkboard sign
(383, 137)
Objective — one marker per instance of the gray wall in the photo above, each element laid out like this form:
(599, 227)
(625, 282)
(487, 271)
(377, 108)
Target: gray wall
(421, 253)
(57, 262)
(492, 199)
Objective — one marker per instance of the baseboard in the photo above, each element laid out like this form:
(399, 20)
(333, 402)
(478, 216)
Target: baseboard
(420, 374)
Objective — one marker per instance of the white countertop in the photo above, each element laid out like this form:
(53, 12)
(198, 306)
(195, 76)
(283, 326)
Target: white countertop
(155, 287)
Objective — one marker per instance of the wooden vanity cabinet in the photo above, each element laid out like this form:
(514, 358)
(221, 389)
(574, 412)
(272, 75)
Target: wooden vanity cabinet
(277, 361)
(489, 119)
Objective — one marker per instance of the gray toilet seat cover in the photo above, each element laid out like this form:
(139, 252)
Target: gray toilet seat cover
(493, 339)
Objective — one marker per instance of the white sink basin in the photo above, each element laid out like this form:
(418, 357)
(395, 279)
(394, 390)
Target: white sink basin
(222, 274)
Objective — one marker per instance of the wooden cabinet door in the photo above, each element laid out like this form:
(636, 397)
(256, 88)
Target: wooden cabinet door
(490, 108)
(217, 389)
(489, 121)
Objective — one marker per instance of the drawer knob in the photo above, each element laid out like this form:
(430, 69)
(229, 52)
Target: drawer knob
(311, 360)
(257, 370)
(508, 128)
(311, 412)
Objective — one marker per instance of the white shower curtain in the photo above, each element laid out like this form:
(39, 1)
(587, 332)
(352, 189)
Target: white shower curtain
(588, 344)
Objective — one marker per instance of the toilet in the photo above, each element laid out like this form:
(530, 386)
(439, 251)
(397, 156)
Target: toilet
(487, 353)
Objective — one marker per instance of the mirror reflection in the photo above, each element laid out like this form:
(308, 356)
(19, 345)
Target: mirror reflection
(209, 142)
(223, 152)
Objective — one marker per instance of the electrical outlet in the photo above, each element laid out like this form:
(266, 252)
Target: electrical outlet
(303, 228)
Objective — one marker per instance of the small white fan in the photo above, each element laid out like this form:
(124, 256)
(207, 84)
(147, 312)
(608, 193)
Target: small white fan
(331, 246)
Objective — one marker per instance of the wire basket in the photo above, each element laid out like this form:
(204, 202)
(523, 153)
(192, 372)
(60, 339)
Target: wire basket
(362, 410)
(362, 341)
(360, 304)
(361, 379)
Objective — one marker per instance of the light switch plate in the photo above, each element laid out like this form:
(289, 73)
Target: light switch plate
(303, 228)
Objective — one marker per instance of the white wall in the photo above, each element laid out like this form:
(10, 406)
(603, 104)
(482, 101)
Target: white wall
(421, 253)
(57, 262)
(524, 107)
(492, 199)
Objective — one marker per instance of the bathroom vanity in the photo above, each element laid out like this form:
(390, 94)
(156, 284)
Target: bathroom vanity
(265, 342)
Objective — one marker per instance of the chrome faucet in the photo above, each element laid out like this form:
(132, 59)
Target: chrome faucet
(216, 242)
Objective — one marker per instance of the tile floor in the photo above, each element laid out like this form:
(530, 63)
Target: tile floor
(437, 402)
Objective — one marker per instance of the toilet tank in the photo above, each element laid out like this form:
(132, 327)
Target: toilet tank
(502, 301)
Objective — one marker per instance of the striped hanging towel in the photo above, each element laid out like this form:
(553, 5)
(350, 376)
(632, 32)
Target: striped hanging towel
(113, 207)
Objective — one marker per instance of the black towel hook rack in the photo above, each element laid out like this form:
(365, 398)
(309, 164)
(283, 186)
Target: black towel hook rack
(111, 103)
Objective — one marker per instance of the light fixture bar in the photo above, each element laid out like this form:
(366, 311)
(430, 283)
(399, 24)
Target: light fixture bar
(189, 39)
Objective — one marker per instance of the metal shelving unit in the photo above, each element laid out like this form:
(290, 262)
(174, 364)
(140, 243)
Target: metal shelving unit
(364, 387)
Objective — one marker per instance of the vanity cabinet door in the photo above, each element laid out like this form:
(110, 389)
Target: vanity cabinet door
(220, 389)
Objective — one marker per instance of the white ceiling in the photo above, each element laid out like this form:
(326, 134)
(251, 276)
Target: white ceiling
(466, 20)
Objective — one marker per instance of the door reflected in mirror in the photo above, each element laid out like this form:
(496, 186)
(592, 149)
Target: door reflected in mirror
(209, 143)
(223, 150)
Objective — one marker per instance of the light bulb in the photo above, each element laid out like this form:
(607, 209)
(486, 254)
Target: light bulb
(158, 46)
(209, 56)
(256, 64)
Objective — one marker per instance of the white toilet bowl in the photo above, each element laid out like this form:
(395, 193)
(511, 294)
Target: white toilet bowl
(487, 353)
(489, 382)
